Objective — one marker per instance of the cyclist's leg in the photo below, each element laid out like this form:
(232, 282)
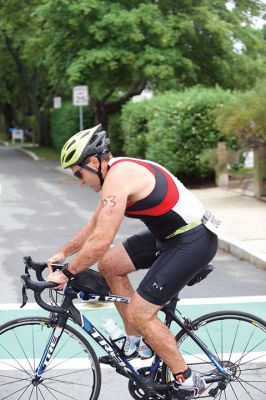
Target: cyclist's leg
(137, 252)
(115, 272)
(180, 259)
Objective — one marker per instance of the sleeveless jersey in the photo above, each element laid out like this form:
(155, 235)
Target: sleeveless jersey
(168, 207)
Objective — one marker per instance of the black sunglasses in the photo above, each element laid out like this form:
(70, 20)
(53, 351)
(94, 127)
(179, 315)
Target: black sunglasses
(78, 173)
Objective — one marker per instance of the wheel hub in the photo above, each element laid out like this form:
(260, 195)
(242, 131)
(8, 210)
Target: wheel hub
(232, 368)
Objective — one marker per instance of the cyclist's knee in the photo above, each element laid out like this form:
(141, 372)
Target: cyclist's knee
(104, 266)
(139, 312)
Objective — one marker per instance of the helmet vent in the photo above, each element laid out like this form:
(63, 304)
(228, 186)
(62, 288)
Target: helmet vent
(85, 134)
(70, 144)
(69, 156)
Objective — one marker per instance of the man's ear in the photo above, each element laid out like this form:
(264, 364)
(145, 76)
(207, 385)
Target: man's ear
(94, 160)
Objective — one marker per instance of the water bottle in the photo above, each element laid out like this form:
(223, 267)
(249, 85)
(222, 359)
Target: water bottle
(115, 333)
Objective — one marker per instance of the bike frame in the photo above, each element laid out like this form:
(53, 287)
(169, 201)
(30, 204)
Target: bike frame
(120, 361)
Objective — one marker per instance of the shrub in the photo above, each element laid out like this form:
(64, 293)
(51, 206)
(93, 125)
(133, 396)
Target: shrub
(174, 129)
(65, 123)
(244, 117)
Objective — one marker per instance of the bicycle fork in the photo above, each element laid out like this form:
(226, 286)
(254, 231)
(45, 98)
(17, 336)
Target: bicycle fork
(48, 352)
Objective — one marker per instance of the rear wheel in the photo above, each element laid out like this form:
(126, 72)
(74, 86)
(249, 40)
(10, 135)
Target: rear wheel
(238, 340)
(73, 372)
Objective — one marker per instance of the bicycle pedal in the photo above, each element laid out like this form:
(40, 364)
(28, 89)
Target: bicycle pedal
(108, 360)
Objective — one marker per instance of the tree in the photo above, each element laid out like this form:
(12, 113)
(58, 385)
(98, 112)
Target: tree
(25, 77)
(244, 117)
(117, 48)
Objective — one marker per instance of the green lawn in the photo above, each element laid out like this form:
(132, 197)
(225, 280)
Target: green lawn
(44, 153)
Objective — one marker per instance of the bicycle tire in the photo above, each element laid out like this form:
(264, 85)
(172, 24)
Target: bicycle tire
(73, 371)
(238, 340)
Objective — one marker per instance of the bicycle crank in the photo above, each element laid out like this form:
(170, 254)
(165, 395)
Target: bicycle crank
(138, 393)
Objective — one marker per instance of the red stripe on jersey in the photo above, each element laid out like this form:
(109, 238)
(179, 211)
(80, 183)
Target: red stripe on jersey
(169, 200)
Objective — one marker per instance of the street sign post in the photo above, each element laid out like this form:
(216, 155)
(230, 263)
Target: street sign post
(81, 98)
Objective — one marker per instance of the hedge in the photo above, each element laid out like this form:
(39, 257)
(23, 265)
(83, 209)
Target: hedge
(65, 123)
(175, 129)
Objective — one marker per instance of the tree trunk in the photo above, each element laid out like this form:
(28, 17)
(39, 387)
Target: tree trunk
(260, 171)
(100, 112)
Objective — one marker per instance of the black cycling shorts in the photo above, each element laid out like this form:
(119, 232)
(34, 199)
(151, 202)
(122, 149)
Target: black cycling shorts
(172, 263)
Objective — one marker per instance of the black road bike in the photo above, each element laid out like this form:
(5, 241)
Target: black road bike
(47, 358)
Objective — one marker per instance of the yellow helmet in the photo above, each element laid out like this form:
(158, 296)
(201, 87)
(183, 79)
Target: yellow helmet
(83, 144)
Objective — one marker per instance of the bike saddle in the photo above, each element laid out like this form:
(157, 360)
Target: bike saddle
(201, 275)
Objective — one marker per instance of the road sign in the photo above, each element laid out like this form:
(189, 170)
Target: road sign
(17, 134)
(80, 96)
(57, 102)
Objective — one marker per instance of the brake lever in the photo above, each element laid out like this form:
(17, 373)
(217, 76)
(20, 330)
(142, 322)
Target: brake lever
(24, 296)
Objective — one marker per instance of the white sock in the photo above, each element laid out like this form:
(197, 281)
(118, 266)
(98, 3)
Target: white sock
(135, 338)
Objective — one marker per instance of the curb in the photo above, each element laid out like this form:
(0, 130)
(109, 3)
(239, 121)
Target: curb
(28, 153)
(242, 250)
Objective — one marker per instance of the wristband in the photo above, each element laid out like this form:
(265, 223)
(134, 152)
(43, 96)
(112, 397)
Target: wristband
(67, 273)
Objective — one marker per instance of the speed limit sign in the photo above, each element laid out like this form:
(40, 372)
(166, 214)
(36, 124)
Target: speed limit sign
(80, 96)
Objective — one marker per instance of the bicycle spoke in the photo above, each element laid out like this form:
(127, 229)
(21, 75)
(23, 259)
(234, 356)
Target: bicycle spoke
(238, 323)
(68, 382)
(61, 347)
(208, 333)
(39, 389)
(23, 351)
(48, 390)
(249, 384)
(16, 391)
(253, 348)
(244, 389)
(14, 381)
(67, 373)
(222, 342)
(31, 392)
(64, 361)
(22, 369)
(33, 348)
(252, 369)
(233, 390)
(253, 359)
(58, 391)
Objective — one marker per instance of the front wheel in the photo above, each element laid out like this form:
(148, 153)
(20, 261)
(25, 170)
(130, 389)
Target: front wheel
(73, 372)
(238, 341)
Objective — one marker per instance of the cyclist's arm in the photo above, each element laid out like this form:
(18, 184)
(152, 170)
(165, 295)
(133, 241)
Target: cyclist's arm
(75, 244)
(114, 199)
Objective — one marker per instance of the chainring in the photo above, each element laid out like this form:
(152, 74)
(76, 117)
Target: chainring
(137, 392)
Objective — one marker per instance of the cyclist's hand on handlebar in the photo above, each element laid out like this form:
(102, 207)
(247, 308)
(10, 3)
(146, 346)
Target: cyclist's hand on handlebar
(57, 277)
(57, 258)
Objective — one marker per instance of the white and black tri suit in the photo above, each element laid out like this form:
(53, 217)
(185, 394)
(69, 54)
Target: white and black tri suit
(172, 256)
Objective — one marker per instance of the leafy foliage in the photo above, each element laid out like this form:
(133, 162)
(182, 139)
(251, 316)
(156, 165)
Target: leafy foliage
(244, 116)
(175, 129)
(119, 47)
(65, 122)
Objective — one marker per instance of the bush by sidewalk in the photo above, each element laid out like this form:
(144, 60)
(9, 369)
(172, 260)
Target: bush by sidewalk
(176, 129)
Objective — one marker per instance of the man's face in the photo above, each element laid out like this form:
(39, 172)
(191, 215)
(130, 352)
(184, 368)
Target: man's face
(88, 177)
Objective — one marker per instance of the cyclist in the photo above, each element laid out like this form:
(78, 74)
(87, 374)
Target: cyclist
(175, 246)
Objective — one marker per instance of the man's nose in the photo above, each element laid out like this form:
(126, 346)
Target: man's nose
(81, 181)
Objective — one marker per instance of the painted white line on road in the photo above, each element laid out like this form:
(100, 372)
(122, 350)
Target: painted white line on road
(184, 302)
(82, 363)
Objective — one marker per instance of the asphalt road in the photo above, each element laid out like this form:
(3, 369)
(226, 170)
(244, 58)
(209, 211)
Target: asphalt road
(42, 208)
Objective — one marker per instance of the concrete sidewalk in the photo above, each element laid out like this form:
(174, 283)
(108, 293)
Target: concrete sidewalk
(244, 222)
